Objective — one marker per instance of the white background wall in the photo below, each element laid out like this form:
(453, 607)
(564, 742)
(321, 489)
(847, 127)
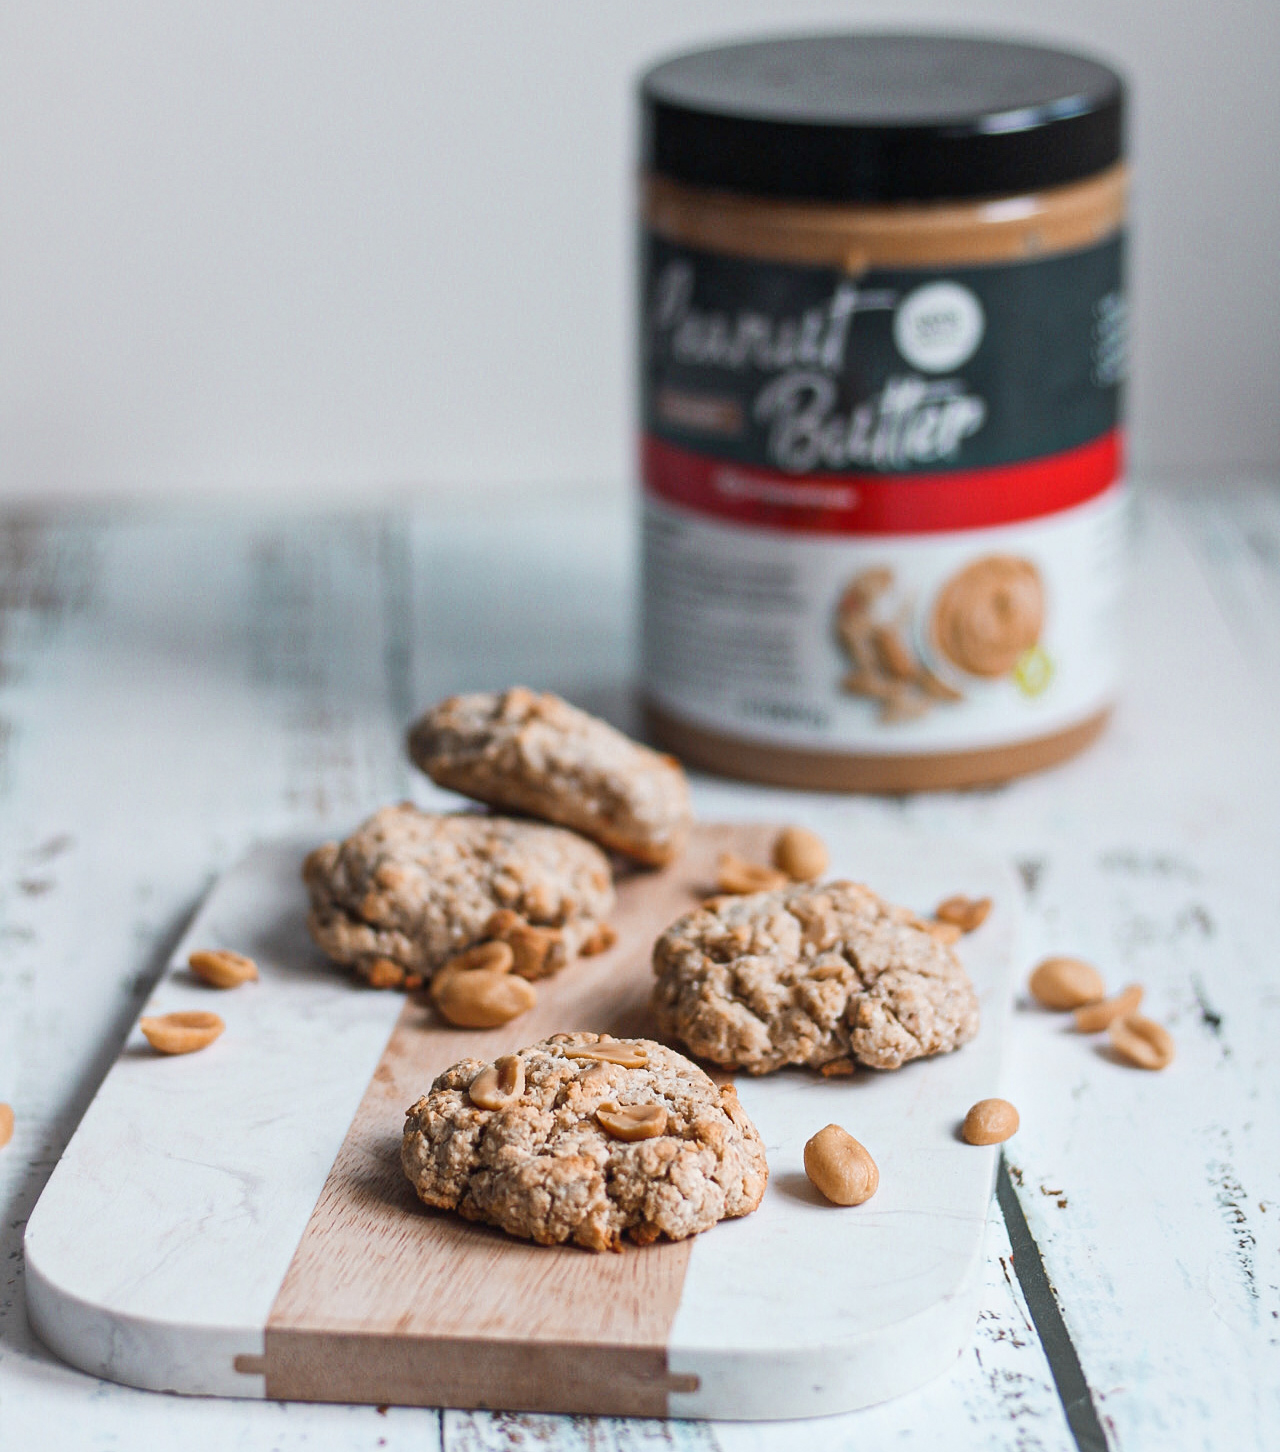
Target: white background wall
(307, 245)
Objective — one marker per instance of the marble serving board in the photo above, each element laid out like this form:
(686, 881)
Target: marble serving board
(235, 1222)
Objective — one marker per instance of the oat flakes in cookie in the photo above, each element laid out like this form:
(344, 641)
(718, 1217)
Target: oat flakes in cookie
(546, 1166)
(527, 752)
(826, 976)
(409, 889)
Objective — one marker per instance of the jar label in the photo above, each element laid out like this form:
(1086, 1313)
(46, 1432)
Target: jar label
(882, 512)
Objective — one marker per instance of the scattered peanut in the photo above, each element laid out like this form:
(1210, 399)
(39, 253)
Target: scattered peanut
(611, 1051)
(944, 933)
(1142, 1042)
(1094, 1017)
(500, 1084)
(221, 968)
(967, 913)
(481, 998)
(631, 1122)
(6, 1124)
(181, 1033)
(738, 876)
(1066, 983)
(840, 1167)
(800, 854)
(990, 1121)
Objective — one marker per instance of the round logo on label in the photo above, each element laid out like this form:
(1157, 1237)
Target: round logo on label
(938, 326)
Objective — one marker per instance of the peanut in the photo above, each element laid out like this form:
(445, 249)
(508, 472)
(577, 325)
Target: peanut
(1066, 983)
(483, 957)
(481, 998)
(6, 1124)
(868, 683)
(384, 973)
(738, 876)
(944, 933)
(499, 1085)
(611, 1051)
(221, 968)
(181, 1033)
(895, 658)
(1094, 1017)
(1142, 1042)
(800, 854)
(967, 913)
(990, 1121)
(600, 941)
(537, 952)
(631, 1122)
(840, 1167)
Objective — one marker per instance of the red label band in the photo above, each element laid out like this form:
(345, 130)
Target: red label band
(862, 504)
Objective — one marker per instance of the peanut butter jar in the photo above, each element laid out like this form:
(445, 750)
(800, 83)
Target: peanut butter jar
(882, 346)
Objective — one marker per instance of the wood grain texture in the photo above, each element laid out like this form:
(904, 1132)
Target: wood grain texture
(386, 1301)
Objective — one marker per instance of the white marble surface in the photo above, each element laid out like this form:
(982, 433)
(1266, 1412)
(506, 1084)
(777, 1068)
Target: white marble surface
(176, 686)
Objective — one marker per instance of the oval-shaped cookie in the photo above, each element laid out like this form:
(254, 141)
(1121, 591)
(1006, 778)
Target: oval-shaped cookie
(527, 752)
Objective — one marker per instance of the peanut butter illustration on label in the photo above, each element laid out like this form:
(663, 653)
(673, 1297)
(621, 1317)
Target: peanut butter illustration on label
(985, 623)
(989, 615)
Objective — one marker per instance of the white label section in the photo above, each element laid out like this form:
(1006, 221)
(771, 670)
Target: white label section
(897, 644)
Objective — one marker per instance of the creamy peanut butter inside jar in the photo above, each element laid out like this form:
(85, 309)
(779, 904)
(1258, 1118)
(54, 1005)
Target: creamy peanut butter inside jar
(882, 344)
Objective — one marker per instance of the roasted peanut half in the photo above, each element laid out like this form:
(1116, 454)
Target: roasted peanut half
(611, 1051)
(840, 1167)
(538, 952)
(990, 1121)
(1094, 1017)
(221, 968)
(967, 913)
(631, 1122)
(181, 1033)
(944, 933)
(481, 998)
(1066, 983)
(6, 1124)
(1142, 1042)
(737, 876)
(800, 854)
(499, 1085)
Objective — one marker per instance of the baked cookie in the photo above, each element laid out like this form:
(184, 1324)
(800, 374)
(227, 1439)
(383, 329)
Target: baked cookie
(410, 889)
(525, 752)
(817, 975)
(590, 1138)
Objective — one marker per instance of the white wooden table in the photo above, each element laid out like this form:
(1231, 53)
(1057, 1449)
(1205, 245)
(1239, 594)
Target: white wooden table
(176, 685)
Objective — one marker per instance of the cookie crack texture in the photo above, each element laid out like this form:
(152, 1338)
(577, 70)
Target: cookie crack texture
(544, 1168)
(810, 975)
(528, 752)
(410, 889)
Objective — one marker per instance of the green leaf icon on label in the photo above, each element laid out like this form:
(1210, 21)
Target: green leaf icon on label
(1034, 671)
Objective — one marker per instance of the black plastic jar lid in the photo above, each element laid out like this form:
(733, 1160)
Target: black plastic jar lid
(880, 118)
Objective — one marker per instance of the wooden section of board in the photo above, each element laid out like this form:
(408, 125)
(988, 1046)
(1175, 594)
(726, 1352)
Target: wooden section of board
(386, 1301)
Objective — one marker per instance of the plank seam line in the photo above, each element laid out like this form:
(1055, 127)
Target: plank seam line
(1042, 1302)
